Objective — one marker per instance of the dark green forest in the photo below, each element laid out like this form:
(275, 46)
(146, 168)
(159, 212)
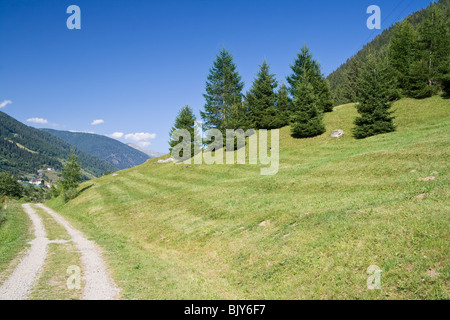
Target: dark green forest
(116, 153)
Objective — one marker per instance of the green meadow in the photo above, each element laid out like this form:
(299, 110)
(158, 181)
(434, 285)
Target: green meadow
(336, 207)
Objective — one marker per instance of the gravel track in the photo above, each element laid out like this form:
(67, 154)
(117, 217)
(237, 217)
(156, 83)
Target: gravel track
(98, 284)
(19, 285)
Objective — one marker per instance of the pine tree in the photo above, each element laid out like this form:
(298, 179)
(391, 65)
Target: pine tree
(418, 80)
(306, 120)
(185, 120)
(434, 41)
(223, 94)
(305, 68)
(402, 54)
(325, 102)
(374, 100)
(261, 100)
(284, 105)
(72, 177)
(350, 83)
(239, 117)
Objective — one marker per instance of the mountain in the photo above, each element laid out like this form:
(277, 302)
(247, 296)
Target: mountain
(115, 152)
(150, 153)
(378, 47)
(24, 150)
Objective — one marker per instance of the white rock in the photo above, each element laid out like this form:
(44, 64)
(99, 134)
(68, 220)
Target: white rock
(165, 160)
(337, 133)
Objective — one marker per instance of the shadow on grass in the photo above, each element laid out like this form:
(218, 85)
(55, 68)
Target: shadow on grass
(84, 189)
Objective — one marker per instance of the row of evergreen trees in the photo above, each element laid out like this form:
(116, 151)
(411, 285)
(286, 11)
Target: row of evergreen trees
(266, 105)
(263, 106)
(412, 60)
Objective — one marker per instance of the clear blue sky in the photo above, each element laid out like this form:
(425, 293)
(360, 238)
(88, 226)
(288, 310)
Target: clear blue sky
(134, 64)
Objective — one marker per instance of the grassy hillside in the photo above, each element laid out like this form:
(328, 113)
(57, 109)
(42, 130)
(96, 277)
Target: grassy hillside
(335, 207)
(116, 153)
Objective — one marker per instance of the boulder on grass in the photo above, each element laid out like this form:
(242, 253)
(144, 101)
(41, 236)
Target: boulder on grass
(165, 160)
(337, 133)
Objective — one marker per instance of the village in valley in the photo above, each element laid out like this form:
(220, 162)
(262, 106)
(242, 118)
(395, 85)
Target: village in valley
(43, 178)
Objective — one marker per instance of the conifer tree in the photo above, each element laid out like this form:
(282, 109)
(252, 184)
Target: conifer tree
(223, 94)
(284, 105)
(185, 120)
(306, 120)
(350, 86)
(305, 68)
(325, 102)
(261, 100)
(434, 42)
(72, 172)
(402, 54)
(374, 100)
(72, 177)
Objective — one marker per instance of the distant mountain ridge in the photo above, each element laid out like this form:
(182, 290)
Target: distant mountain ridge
(118, 154)
(24, 150)
(150, 153)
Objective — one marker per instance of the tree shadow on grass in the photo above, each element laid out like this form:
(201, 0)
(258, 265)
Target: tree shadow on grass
(84, 189)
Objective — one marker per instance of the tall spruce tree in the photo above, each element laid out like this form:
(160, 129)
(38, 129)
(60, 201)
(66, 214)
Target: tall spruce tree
(284, 105)
(223, 94)
(374, 100)
(261, 100)
(306, 120)
(350, 87)
(305, 68)
(434, 42)
(185, 120)
(71, 174)
(402, 54)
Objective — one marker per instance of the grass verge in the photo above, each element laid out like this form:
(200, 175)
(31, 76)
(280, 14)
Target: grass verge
(14, 233)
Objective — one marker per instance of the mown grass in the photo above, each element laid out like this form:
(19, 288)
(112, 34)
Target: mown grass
(52, 284)
(14, 233)
(335, 207)
(53, 229)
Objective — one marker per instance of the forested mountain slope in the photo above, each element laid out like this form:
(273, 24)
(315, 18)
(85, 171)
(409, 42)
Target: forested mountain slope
(115, 152)
(343, 80)
(24, 150)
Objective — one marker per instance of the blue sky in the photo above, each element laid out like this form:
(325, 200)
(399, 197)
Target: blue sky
(134, 64)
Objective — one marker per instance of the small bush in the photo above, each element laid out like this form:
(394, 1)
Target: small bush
(54, 191)
(9, 186)
(70, 194)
